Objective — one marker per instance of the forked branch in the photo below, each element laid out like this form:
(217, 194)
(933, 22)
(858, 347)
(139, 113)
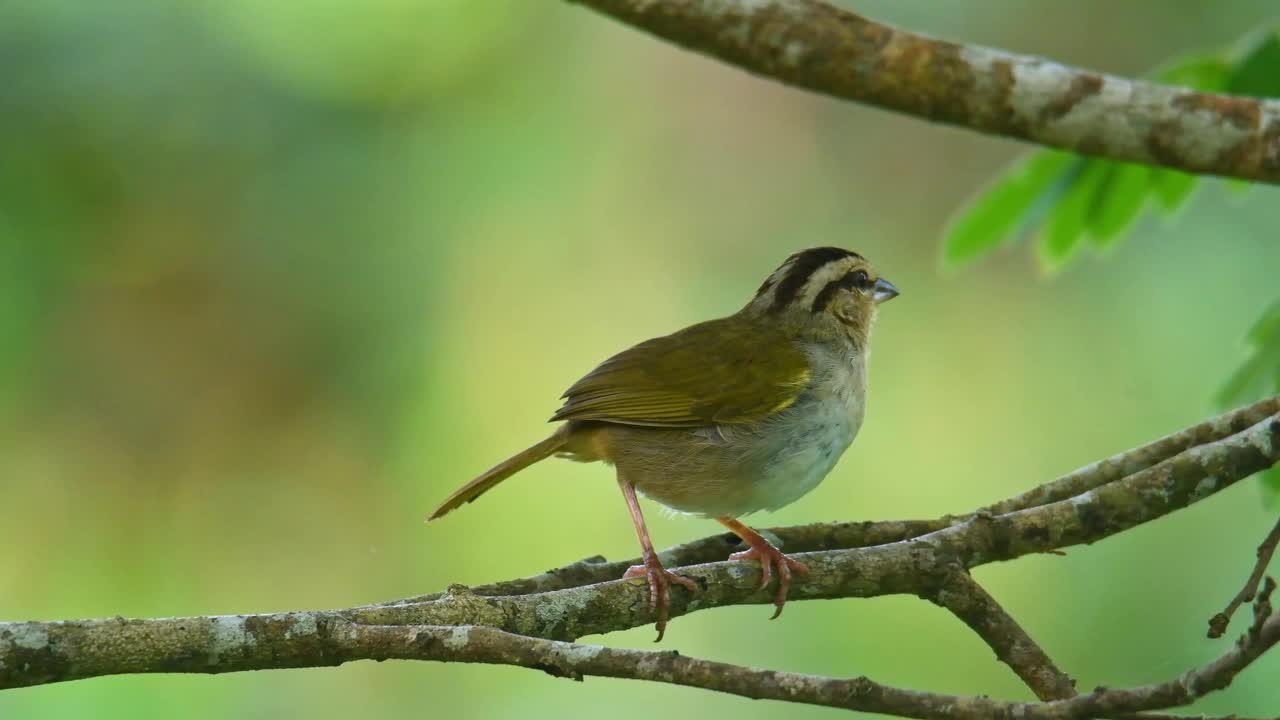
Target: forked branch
(488, 645)
(529, 622)
(1218, 623)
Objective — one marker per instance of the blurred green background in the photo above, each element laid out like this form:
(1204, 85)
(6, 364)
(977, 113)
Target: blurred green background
(276, 277)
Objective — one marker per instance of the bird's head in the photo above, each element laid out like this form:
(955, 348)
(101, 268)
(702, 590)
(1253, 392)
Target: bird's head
(822, 292)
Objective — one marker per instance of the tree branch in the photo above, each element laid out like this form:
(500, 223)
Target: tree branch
(1218, 623)
(336, 641)
(971, 603)
(42, 652)
(576, 661)
(812, 45)
(848, 535)
(562, 659)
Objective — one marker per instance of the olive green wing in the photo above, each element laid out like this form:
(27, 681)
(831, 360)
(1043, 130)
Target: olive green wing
(719, 372)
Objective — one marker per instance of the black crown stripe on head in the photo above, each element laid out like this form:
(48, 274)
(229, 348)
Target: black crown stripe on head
(803, 265)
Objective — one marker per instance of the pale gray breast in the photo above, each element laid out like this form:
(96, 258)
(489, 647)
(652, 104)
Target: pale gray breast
(805, 442)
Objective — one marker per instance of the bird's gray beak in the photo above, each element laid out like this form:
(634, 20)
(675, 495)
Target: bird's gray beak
(883, 290)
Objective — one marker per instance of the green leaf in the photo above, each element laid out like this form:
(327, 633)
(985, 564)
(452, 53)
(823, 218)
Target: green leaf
(1258, 377)
(1171, 187)
(1247, 383)
(1210, 72)
(998, 210)
(1257, 72)
(1076, 196)
(1271, 484)
(1266, 330)
(1068, 220)
(1118, 200)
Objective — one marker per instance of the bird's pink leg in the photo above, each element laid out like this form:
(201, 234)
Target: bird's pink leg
(769, 557)
(660, 578)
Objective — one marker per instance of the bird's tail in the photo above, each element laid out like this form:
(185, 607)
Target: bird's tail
(502, 471)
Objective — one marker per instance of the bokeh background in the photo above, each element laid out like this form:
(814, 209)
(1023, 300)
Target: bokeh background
(276, 277)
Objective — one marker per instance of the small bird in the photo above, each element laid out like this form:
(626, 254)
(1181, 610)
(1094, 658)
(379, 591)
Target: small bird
(727, 417)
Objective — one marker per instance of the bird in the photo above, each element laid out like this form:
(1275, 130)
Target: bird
(726, 417)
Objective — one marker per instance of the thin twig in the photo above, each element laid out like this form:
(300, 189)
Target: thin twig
(1218, 623)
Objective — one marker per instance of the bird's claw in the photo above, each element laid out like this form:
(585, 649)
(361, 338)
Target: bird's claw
(660, 580)
(771, 557)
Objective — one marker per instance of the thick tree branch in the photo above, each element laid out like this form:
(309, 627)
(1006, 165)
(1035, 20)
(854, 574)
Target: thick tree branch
(1131, 461)
(42, 652)
(486, 645)
(813, 45)
(336, 641)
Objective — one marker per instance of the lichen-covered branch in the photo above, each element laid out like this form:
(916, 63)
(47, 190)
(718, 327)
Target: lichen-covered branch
(813, 45)
(847, 535)
(335, 641)
(42, 652)
(571, 660)
(1141, 458)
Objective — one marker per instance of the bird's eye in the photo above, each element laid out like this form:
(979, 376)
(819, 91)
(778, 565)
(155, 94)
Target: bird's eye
(861, 280)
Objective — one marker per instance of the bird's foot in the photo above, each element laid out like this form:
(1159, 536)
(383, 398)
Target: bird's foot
(660, 580)
(771, 557)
